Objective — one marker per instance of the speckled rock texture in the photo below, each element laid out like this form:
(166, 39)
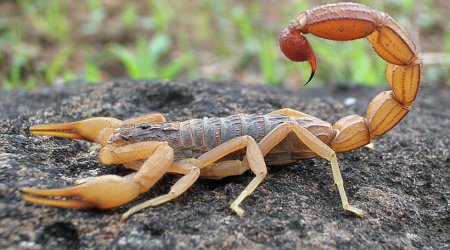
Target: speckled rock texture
(403, 184)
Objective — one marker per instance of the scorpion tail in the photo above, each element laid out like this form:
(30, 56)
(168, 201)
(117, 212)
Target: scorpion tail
(349, 21)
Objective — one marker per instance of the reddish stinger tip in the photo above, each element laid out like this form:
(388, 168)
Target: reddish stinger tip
(296, 47)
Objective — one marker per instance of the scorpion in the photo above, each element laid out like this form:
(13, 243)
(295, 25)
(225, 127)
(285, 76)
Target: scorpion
(219, 147)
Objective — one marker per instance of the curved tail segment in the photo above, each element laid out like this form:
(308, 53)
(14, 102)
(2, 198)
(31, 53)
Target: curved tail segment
(349, 21)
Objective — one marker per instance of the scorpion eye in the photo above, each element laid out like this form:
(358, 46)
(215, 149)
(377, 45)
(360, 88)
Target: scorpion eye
(145, 126)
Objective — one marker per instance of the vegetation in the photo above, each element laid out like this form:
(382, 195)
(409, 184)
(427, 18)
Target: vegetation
(57, 41)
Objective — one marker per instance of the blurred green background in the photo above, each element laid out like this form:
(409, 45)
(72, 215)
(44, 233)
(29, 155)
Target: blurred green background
(45, 42)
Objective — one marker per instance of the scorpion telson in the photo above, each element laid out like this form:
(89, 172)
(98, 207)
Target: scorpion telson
(219, 147)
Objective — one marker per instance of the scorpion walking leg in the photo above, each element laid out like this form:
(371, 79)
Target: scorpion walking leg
(135, 165)
(112, 154)
(191, 173)
(289, 112)
(148, 118)
(255, 161)
(224, 168)
(316, 145)
(213, 171)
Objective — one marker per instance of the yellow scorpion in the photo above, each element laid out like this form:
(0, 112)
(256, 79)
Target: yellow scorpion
(219, 147)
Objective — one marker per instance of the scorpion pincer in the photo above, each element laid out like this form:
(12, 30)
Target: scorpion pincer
(219, 147)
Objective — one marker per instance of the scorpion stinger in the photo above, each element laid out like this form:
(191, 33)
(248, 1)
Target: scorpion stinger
(296, 47)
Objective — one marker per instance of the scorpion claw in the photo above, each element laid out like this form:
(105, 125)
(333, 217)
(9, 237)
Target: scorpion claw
(97, 192)
(89, 129)
(66, 130)
(56, 203)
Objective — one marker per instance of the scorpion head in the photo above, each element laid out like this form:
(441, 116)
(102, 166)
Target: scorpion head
(131, 133)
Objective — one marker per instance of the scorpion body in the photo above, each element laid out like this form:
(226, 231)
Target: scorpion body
(219, 147)
(192, 138)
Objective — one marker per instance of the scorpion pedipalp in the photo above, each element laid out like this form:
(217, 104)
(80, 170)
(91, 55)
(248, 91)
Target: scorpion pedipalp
(90, 129)
(102, 192)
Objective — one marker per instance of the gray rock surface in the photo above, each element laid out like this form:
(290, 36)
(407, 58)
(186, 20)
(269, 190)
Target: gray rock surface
(403, 184)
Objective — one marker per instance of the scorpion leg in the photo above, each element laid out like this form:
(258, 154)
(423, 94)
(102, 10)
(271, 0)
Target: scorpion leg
(111, 190)
(224, 168)
(148, 118)
(191, 172)
(217, 170)
(316, 145)
(289, 112)
(135, 165)
(253, 156)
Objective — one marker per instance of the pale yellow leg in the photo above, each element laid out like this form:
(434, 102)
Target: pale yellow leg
(258, 166)
(316, 145)
(255, 161)
(119, 154)
(216, 170)
(289, 112)
(154, 167)
(213, 171)
(223, 169)
(148, 118)
(191, 174)
(254, 158)
(158, 159)
(135, 165)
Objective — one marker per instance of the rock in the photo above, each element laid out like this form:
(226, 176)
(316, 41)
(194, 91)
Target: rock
(403, 184)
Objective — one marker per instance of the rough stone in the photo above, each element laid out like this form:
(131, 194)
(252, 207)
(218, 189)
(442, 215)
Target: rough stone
(403, 184)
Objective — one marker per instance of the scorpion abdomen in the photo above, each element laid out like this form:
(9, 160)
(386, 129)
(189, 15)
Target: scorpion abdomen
(198, 136)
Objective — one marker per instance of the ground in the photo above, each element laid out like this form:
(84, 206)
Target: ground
(403, 184)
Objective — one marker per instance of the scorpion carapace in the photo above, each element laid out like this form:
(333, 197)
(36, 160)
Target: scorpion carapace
(219, 147)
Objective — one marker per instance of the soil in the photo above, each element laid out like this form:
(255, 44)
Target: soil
(402, 184)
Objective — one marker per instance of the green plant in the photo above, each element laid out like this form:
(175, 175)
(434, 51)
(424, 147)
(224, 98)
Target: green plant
(146, 61)
(270, 67)
(129, 16)
(97, 15)
(92, 73)
(161, 13)
(47, 16)
(57, 65)
(173, 39)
